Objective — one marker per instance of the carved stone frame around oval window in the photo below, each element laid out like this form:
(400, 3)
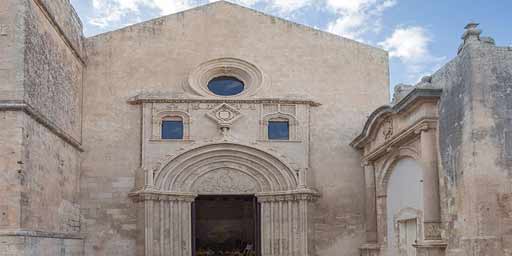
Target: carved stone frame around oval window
(253, 77)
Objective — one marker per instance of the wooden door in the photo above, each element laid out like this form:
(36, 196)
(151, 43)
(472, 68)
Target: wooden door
(407, 236)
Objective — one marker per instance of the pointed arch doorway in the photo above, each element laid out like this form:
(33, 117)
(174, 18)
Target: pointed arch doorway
(225, 170)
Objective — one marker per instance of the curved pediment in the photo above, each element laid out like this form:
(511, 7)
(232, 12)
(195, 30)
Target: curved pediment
(388, 121)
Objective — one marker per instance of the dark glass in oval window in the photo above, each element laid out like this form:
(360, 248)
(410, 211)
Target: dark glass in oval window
(226, 86)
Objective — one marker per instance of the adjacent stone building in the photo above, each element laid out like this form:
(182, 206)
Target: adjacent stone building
(224, 131)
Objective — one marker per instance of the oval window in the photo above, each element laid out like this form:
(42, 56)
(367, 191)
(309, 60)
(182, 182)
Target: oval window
(226, 86)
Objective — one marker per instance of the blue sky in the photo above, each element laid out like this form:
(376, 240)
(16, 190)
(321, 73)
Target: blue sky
(420, 35)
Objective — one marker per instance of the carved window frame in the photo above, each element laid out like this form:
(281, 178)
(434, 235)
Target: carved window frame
(293, 126)
(170, 116)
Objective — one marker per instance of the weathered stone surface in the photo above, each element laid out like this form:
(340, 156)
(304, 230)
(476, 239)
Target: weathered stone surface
(40, 121)
(127, 191)
(53, 74)
(301, 62)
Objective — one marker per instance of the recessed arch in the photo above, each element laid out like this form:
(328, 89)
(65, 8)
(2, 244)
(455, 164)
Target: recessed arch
(390, 163)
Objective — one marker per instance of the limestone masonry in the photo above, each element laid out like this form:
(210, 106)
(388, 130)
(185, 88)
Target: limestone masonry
(224, 131)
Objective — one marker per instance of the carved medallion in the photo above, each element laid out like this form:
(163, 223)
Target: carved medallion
(224, 115)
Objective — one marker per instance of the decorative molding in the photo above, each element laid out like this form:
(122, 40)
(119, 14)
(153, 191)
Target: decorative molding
(432, 230)
(181, 171)
(404, 105)
(20, 105)
(158, 98)
(224, 115)
(405, 135)
(291, 195)
(226, 181)
(387, 128)
(252, 77)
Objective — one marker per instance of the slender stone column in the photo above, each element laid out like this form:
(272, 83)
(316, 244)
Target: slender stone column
(431, 201)
(371, 211)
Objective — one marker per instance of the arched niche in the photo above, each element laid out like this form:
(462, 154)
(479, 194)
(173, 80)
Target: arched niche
(404, 201)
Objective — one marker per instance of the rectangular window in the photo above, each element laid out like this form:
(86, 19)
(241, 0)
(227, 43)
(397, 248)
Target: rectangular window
(172, 130)
(278, 130)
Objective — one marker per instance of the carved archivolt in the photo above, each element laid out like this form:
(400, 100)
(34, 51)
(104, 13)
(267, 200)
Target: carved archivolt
(259, 170)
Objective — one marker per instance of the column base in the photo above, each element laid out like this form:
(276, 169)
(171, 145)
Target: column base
(431, 248)
(370, 249)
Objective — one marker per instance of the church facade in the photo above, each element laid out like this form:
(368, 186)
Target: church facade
(224, 131)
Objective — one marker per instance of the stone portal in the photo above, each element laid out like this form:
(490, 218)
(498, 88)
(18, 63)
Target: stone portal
(225, 225)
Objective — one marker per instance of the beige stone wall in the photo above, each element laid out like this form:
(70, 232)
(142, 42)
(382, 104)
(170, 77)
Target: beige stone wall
(157, 56)
(11, 156)
(53, 71)
(41, 124)
(475, 148)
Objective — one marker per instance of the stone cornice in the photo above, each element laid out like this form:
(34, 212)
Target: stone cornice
(140, 99)
(19, 105)
(38, 233)
(403, 105)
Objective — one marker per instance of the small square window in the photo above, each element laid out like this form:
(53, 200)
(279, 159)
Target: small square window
(172, 130)
(278, 130)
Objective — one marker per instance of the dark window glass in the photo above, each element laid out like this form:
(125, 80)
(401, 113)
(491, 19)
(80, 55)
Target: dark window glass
(226, 86)
(172, 130)
(278, 130)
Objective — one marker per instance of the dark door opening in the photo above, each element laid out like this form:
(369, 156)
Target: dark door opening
(226, 226)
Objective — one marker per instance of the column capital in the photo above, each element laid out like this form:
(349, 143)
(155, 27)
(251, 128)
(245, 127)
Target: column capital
(156, 195)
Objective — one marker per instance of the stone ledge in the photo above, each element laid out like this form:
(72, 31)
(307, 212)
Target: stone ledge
(43, 234)
(157, 98)
(20, 105)
(441, 244)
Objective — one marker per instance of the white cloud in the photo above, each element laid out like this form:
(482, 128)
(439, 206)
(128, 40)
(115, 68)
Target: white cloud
(411, 46)
(357, 17)
(353, 18)
(112, 11)
(283, 7)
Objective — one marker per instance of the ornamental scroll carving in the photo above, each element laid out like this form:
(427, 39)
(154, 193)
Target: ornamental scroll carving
(225, 181)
